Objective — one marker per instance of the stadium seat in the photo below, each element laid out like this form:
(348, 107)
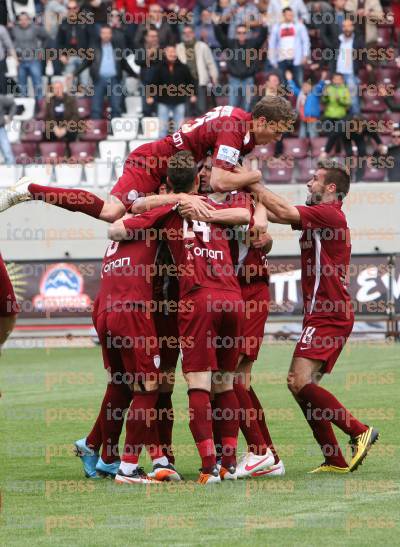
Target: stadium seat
(279, 174)
(69, 174)
(133, 106)
(373, 104)
(52, 152)
(373, 174)
(32, 131)
(24, 152)
(9, 174)
(384, 36)
(84, 107)
(132, 85)
(112, 150)
(387, 75)
(96, 130)
(13, 129)
(295, 148)
(261, 155)
(29, 108)
(150, 127)
(392, 120)
(317, 146)
(124, 129)
(41, 109)
(98, 173)
(40, 173)
(305, 170)
(82, 152)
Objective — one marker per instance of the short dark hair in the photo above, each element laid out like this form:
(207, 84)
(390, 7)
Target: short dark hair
(275, 109)
(336, 174)
(286, 9)
(182, 171)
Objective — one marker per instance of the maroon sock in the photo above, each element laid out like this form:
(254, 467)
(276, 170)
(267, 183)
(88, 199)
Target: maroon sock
(116, 400)
(94, 439)
(324, 405)
(200, 423)
(216, 427)
(165, 415)
(68, 198)
(227, 411)
(247, 421)
(325, 437)
(262, 424)
(139, 421)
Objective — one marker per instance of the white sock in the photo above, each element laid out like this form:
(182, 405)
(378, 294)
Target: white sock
(128, 468)
(161, 461)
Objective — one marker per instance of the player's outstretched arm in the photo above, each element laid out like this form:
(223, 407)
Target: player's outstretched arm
(225, 181)
(234, 216)
(197, 203)
(283, 212)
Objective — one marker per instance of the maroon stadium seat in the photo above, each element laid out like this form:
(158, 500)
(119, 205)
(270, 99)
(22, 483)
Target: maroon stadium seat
(384, 36)
(279, 174)
(317, 146)
(263, 154)
(84, 107)
(387, 75)
(41, 109)
(261, 78)
(373, 104)
(32, 131)
(305, 170)
(392, 120)
(82, 152)
(295, 148)
(52, 152)
(96, 130)
(24, 152)
(373, 174)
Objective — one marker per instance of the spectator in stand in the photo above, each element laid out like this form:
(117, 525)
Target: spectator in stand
(241, 69)
(106, 66)
(390, 100)
(171, 85)
(205, 30)
(199, 58)
(308, 103)
(148, 58)
(7, 110)
(360, 133)
(394, 154)
(350, 56)
(61, 115)
(135, 11)
(242, 13)
(156, 20)
(72, 41)
(332, 24)
(16, 7)
(183, 9)
(6, 49)
(368, 13)
(275, 8)
(337, 99)
(289, 46)
(54, 13)
(95, 11)
(29, 39)
(273, 85)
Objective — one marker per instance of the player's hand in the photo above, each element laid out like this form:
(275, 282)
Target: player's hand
(254, 174)
(194, 207)
(261, 241)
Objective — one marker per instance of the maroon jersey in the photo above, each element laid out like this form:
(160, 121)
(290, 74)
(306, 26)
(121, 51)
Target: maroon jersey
(223, 130)
(325, 258)
(200, 250)
(126, 273)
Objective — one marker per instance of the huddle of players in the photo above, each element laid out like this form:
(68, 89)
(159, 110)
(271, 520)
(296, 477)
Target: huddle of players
(211, 300)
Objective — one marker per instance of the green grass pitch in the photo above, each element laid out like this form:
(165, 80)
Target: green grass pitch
(51, 397)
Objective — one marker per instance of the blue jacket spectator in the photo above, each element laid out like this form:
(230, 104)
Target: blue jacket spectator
(308, 104)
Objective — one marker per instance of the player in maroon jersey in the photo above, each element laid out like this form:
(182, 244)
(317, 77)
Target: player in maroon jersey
(249, 254)
(328, 313)
(230, 132)
(124, 323)
(209, 315)
(8, 304)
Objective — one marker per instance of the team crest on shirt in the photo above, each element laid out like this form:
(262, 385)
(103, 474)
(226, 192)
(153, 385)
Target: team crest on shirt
(133, 195)
(228, 154)
(61, 287)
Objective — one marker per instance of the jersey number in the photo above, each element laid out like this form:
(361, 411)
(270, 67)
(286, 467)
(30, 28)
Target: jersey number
(197, 226)
(208, 116)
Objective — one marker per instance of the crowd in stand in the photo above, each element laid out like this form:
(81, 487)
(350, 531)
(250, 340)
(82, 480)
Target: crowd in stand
(338, 63)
